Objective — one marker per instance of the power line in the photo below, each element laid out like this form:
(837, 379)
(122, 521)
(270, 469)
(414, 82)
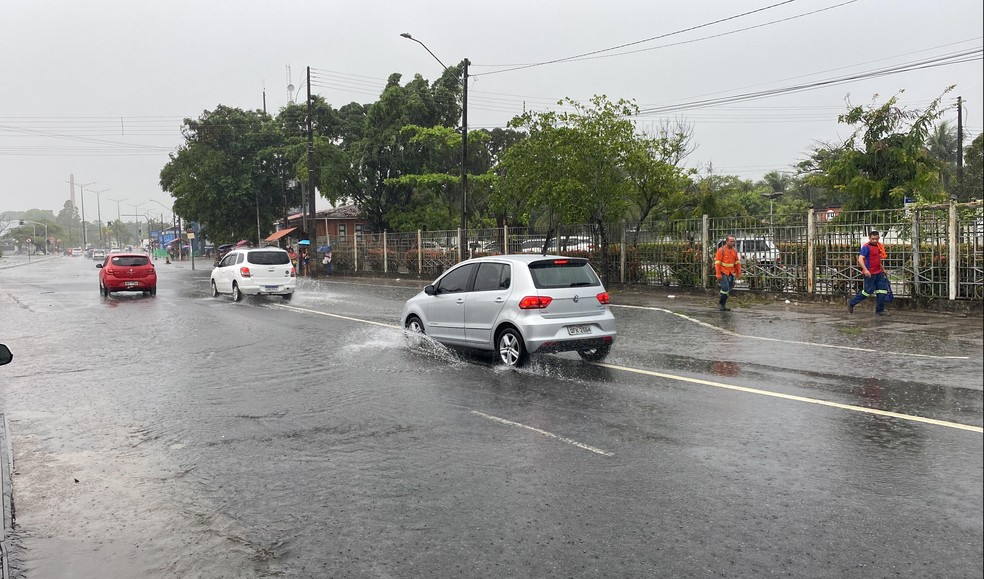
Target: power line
(946, 60)
(593, 56)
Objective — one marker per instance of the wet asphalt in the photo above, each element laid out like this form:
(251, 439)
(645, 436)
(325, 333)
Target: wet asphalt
(182, 435)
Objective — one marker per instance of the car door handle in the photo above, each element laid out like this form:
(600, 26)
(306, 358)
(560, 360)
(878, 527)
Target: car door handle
(460, 301)
(499, 300)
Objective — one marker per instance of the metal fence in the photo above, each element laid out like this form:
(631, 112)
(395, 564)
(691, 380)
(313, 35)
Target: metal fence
(933, 251)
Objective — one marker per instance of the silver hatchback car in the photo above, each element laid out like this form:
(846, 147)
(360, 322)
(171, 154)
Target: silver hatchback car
(516, 305)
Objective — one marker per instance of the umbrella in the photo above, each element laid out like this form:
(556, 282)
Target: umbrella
(242, 243)
(304, 242)
(324, 249)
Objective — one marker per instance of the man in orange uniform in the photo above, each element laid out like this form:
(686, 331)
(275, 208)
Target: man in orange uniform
(727, 268)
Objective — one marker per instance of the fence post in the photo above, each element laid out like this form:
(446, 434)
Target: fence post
(355, 252)
(461, 250)
(621, 265)
(953, 252)
(811, 257)
(385, 251)
(505, 239)
(704, 244)
(420, 253)
(916, 290)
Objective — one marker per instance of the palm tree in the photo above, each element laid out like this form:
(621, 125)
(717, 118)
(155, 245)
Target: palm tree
(942, 145)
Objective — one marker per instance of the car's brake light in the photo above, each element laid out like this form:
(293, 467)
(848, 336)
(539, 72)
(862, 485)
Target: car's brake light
(561, 262)
(244, 271)
(534, 302)
(604, 298)
(292, 272)
(109, 271)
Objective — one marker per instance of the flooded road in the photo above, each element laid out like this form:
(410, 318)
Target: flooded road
(182, 435)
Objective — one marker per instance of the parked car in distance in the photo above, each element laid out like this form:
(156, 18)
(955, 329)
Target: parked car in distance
(756, 250)
(127, 272)
(254, 271)
(516, 305)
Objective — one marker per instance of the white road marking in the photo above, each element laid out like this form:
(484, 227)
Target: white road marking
(307, 311)
(839, 405)
(545, 433)
(767, 339)
(850, 407)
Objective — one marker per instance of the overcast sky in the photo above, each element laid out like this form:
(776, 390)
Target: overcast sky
(99, 88)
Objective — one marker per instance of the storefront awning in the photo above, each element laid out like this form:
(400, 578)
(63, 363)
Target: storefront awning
(279, 234)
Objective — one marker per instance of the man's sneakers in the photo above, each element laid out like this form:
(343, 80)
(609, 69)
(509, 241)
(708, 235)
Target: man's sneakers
(723, 308)
(850, 307)
(882, 313)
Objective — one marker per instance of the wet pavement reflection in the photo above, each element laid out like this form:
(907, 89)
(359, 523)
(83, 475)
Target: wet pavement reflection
(182, 435)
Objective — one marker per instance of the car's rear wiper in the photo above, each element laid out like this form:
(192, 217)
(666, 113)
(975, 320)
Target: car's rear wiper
(581, 283)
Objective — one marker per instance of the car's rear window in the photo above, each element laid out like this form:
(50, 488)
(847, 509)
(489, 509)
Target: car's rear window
(269, 257)
(556, 273)
(130, 260)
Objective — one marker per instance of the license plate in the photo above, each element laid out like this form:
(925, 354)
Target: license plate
(271, 288)
(130, 284)
(578, 330)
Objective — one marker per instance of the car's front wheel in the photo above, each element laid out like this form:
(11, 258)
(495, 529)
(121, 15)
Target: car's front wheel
(595, 354)
(237, 296)
(215, 290)
(510, 348)
(415, 326)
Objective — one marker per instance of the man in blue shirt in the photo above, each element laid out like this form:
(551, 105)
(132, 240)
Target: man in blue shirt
(875, 278)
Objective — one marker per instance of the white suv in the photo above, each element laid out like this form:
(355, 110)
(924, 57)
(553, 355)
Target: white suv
(260, 271)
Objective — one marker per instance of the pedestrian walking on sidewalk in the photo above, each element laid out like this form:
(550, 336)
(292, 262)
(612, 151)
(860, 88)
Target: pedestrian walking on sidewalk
(875, 279)
(727, 269)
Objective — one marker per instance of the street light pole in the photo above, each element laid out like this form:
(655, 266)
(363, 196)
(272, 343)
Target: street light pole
(463, 242)
(99, 213)
(119, 242)
(82, 186)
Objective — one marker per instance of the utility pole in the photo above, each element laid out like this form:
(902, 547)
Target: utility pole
(464, 159)
(99, 213)
(960, 180)
(309, 223)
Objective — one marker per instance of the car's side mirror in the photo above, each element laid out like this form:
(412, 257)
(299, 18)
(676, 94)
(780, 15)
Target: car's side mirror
(99, 266)
(5, 355)
(430, 290)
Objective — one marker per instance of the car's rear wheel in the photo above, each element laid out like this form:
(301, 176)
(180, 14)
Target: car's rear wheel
(287, 297)
(510, 348)
(103, 290)
(595, 354)
(153, 291)
(215, 290)
(415, 326)
(237, 296)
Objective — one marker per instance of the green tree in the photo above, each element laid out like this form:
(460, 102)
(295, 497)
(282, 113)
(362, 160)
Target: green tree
(973, 177)
(653, 167)
(884, 160)
(571, 167)
(216, 177)
(942, 146)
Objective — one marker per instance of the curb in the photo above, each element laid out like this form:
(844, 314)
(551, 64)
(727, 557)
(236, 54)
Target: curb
(6, 505)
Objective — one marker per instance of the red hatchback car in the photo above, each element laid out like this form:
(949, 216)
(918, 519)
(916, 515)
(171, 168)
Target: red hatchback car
(127, 272)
